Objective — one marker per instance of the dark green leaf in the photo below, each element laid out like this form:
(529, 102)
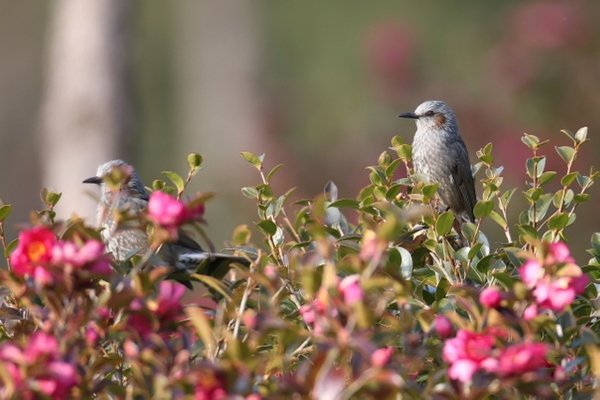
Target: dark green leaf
(483, 209)
(444, 223)
(528, 231)
(345, 203)
(569, 178)
(558, 221)
(267, 227)
(546, 177)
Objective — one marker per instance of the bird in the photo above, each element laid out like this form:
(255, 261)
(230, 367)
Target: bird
(440, 153)
(128, 236)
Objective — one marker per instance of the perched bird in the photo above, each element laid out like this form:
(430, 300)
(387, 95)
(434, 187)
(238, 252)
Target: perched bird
(129, 237)
(440, 153)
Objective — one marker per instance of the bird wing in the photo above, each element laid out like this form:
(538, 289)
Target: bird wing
(463, 177)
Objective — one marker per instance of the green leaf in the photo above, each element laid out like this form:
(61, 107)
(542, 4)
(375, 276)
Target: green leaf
(468, 231)
(270, 174)
(346, 203)
(158, 184)
(252, 159)
(569, 134)
(581, 134)
(194, 160)
(10, 247)
(384, 160)
(202, 327)
(430, 190)
(530, 141)
(505, 279)
(596, 242)
(444, 223)
(265, 191)
(405, 152)
(558, 221)
(267, 227)
(389, 171)
(584, 181)
(546, 177)
(566, 153)
(474, 250)
(483, 209)
(214, 284)
(581, 198)
(176, 179)
(569, 178)
(397, 141)
(498, 219)
(4, 211)
(250, 192)
(528, 231)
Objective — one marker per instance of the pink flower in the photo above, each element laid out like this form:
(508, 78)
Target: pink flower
(166, 210)
(195, 212)
(490, 297)
(169, 299)
(33, 252)
(522, 357)
(467, 353)
(381, 357)
(350, 289)
(558, 253)
(531, 271)
(531, 312)
(372, 247)
(91, 255)
(60, 377)
(41, 346)
(443, 327)
(557, 294)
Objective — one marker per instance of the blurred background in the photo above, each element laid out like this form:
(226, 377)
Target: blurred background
(315, 85)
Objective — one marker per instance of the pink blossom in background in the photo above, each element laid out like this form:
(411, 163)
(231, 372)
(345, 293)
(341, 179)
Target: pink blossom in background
(490, 297)
(350, 289)
(91, 254)
(549, 25)
(558, 253)
(558, 291)
(381, 357)
(531, 271)
(372, 247)
(469, 352)
(443, 327)
(169, 300)
(166, 210)
(41, 346)
(195, 212)
(531, 312)
(522, 357)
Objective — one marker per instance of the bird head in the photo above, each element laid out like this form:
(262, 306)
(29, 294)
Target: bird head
(117, 176)
(432, 114)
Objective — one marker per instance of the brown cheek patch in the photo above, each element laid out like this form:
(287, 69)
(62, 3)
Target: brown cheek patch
(440, 120)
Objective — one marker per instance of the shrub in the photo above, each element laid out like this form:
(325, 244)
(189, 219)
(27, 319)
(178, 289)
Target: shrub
(346, 297)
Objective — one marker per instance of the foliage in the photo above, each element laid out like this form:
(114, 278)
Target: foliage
(372, 296)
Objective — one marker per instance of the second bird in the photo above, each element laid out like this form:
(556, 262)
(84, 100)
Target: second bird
(440, 153)
(183, 256)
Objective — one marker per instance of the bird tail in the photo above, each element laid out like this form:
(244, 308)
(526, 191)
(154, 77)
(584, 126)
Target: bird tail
(216, 265)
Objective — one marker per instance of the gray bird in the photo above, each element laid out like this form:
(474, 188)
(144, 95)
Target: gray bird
(129, 237)
(440, 153)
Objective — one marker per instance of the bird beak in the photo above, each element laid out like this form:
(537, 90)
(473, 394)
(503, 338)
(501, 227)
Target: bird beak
(408, 115)
(93, 179)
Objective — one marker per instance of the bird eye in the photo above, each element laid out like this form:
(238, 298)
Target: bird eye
(429, 113)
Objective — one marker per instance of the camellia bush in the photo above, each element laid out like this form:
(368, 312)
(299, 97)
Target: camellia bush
(376, 296)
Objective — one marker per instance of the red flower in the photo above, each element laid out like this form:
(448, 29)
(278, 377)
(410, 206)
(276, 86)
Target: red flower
(522, 357)
(33, 253)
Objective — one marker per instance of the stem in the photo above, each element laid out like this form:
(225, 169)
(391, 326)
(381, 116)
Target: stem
(243, 303)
